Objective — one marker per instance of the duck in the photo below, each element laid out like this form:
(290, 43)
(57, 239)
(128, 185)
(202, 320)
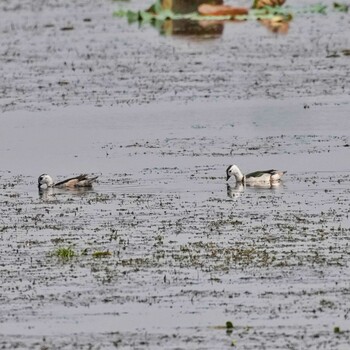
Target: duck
(46, 181)
(261, 176)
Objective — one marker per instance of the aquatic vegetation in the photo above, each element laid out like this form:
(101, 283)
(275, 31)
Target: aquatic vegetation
(101, 254)
(229, 325)
(64, 253)
(337, 330)
(161, 15)
(262, 10)
(341, 7)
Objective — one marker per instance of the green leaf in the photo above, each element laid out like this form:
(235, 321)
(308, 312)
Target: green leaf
(158, 6)
(145, 16)
(132, 16)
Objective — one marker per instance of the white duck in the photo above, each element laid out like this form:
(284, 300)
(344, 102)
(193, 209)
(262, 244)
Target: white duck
(83, 180)
(263, 176)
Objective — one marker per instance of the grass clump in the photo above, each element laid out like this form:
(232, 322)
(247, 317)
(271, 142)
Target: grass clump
(64, 253)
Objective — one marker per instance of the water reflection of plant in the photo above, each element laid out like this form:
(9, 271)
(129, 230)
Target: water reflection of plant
(176, 18)
(172, 17)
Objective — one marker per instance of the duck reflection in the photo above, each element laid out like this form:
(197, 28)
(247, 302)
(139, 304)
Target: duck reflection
(236, 191)
(52, 194)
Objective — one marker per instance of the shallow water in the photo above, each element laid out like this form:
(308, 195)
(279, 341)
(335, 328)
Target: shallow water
(188, 251)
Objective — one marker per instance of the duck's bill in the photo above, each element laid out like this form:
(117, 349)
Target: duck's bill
(227, 177)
